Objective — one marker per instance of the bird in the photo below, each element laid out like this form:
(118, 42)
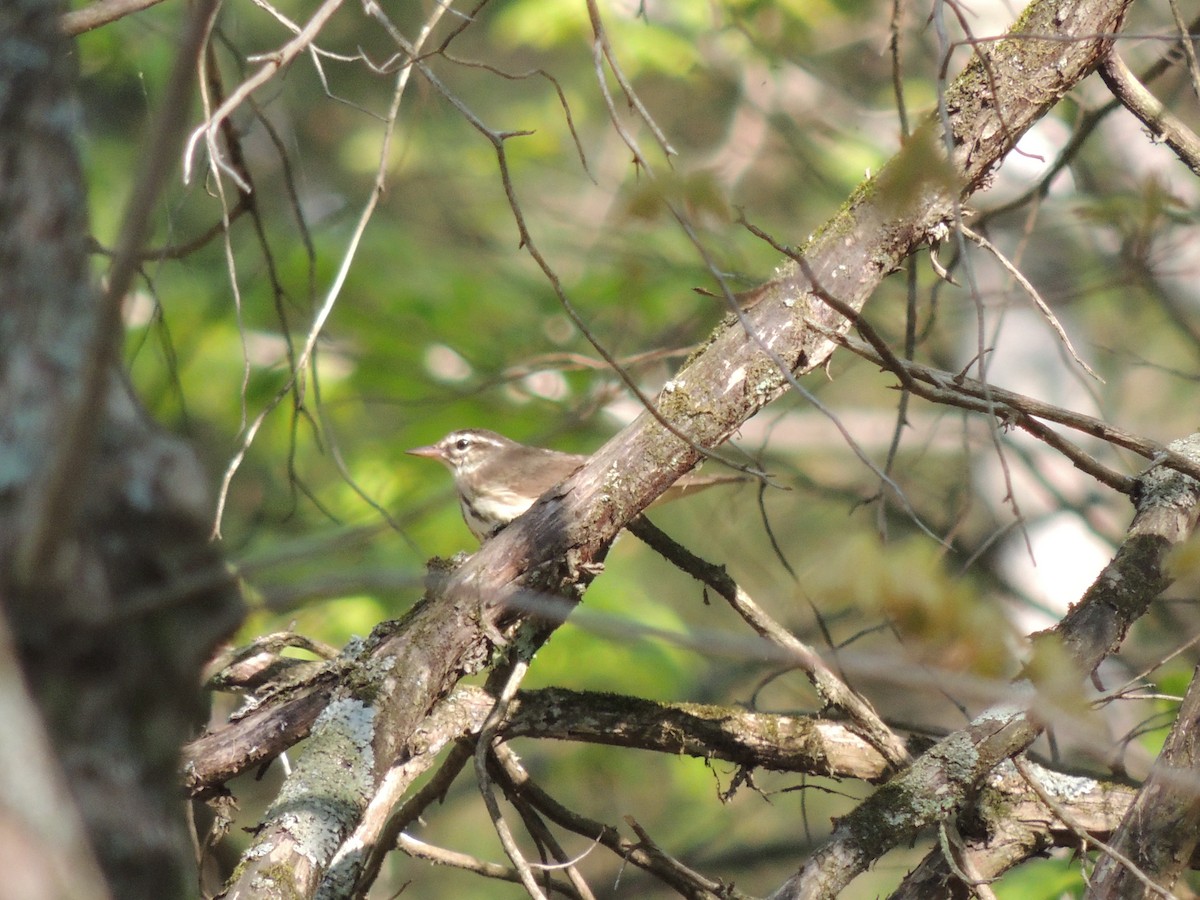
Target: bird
(498, 478)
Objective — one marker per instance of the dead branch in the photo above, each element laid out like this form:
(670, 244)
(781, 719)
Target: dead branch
(952, 770)
(559, 545)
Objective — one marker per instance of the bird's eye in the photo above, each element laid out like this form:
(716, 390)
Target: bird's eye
(462, 444)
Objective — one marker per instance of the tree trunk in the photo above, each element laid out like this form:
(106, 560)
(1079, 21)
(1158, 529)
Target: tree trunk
(114, 597)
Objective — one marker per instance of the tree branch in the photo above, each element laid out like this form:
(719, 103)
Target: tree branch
(559, 545)
(1160, 830)
(834, 692)
(945, 777)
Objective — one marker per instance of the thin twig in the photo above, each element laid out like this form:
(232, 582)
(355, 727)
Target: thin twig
(334, 291)
(391, 832)
(832, 690)
(957, 219)
(1162, 123)
(487, 735)
(511, 770)
(1067, 819)
(685, 880)
(1120, 691)
(210, 81)
(958, 390)
(272, 65)
(467, 863)
(498, 140)
(78, 21)
(601, 46)
(957, 856)
(1185, 41)
(852, 317)
(1041, 304)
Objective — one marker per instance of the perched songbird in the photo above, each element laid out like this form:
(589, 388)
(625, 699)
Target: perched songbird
(498, 479)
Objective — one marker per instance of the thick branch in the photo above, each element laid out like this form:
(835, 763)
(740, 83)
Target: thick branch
(556, 548)
(946, 776)
(1162, 123)
(833, 691)
(212, 759)
(788, 743)
(1160, 831)
(1009, 824)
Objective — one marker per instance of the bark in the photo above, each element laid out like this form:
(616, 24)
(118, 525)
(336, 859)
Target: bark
(788, 743)
(44, 849)
(944, 779)
(1160, 831)
(806, 744)
(558, 546)
(1009, 824)
(114, 596)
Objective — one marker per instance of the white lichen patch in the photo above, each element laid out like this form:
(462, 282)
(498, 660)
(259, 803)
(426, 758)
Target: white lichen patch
(351, 718)
(330, 786)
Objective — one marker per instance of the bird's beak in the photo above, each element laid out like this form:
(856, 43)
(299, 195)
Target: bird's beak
(431, 452)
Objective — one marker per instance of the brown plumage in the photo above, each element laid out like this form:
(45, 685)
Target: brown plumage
(498, 479)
